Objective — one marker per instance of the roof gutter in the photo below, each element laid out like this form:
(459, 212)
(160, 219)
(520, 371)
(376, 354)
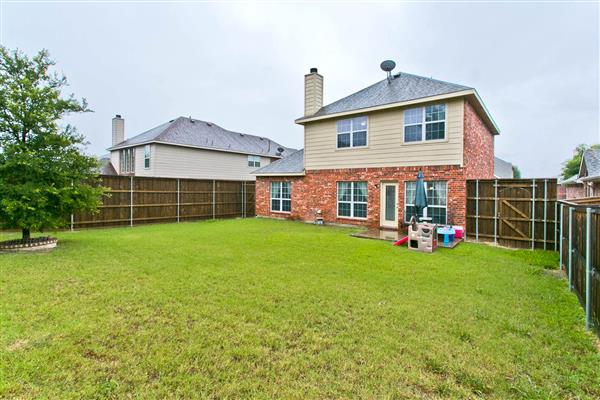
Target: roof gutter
(119, 147)
(280, 174)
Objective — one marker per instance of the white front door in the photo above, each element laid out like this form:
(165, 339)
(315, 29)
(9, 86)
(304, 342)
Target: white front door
(389, 205)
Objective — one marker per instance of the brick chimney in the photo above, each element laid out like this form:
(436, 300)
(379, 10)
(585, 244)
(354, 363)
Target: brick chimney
(313, 92)
(118, 130)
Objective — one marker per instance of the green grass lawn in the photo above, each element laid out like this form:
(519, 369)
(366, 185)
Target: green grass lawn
(273, 309)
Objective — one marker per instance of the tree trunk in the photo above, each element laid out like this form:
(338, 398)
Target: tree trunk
(26, 234)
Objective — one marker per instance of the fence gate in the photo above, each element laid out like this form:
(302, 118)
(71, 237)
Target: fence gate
(517, 213)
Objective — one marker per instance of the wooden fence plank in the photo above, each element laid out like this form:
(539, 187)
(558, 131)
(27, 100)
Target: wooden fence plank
(506, 211)
(135, 200)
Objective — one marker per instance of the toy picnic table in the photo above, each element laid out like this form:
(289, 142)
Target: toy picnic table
(448, 232)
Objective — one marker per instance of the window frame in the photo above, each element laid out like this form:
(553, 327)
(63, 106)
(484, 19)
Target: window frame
(352, 202)
(351, 133)
(252, 161)
(423, 123)
(147, 156)
(425, 210)
(127, 160)
(280, 199)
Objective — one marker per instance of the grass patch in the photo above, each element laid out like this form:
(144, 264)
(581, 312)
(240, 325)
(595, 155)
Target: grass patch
(261, 308)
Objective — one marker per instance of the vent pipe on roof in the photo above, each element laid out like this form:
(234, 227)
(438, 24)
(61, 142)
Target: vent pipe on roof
(118, 130)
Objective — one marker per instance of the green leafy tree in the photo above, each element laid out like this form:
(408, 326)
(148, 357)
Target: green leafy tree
(44, 174)
(571, 166)
(516, 172)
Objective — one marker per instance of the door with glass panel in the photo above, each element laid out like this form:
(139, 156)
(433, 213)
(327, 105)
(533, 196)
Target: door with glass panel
(389, 205)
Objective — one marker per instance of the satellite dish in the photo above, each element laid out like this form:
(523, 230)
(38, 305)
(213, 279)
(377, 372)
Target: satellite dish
(388, 66)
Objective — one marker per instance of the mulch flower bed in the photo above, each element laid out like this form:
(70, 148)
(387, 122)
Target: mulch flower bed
(43, 242)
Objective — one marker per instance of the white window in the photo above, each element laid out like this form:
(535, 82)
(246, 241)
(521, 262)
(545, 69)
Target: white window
(254, 161)
(437, 201)
(281, 196)
(147, 156)
(425, 123)
(352, 199)
(352, 132)
(127, 160)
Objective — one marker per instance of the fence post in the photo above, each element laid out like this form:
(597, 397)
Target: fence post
(560, 245)
(178, 198)
(214, 201)
(588, 268)
(570, 247)
(533, 215)
(555, 222)
(131, 200)
(244, 199)
(545, 210)
(477, 210)
(72, 213)
(496, 212)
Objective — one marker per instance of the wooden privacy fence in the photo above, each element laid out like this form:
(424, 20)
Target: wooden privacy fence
(519, 213)
(580, 255)
(138, 200)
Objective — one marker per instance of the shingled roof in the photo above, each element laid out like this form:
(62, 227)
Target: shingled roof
(403, 87)
(503, 169)
(591, 159)
(190, 132)
(290, 165)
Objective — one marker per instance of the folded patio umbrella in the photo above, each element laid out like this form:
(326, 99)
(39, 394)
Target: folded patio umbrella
(420, 195)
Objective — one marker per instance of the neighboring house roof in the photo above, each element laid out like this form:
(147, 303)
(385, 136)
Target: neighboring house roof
(590, 164)
(570, 181)
(290, 165)
(106, 167)
(503, 169)
(190, 132)
(403, 87)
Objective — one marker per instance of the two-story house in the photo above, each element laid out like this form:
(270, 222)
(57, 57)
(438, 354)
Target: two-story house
(190, 148)
(362, 153)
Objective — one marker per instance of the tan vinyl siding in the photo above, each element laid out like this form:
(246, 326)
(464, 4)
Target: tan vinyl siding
(385, 142)
(185, 162)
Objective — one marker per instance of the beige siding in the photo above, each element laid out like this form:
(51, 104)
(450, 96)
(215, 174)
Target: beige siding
(185, 162)
(385, 142)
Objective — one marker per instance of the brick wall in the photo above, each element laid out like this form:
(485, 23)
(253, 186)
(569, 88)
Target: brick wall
(479, 146)
(574, 191)
(318, 190)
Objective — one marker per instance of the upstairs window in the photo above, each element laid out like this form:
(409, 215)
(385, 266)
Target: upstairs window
(281, 197)
(425, 123)
(352, 132)
(147, 156)
(254, 161)
(127, 160)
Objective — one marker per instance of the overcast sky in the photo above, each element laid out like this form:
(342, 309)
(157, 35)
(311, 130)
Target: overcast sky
(241, 66)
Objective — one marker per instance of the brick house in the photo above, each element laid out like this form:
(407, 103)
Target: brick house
(362, 153)
(586, 183)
